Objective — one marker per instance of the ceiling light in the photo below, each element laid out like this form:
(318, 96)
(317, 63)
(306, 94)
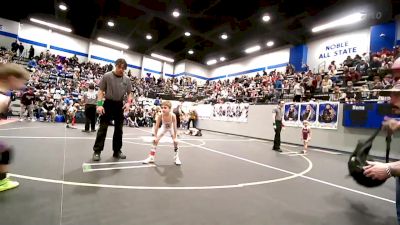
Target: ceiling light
(222, 59)
(162, 57)
(62, 6)
(149, 37)
(266, 18)
(350, 19)
(191, 52)
(110, 23)
(187, 34)
(52, 25)
(114, 43)
(270, 43)
(176, 13)
(252, 49)
(211, 62)
(224, 36)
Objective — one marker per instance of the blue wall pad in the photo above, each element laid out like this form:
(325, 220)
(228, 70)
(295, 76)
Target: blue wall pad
(298, 56)
(387, 41)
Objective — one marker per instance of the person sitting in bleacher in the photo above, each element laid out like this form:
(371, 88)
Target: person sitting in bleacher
(387, 82)
(48, 109)
(376, 83)
(32, 64)
(351, 94)
(332, 70)
(131, 118)
(337, 94)
(362, 68)
(348, 62)
(326, 84)
(375, 63)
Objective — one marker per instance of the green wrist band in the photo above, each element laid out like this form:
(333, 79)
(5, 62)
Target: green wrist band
(100, 103)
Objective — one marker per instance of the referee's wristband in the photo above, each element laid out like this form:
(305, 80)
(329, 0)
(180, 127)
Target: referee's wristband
(100, 103)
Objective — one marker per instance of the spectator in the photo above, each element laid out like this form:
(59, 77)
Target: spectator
(332, 68)
(48, 110)
(21, 49)
(348, 61)
(317, 84)
(298, 92)
(27, 102)
(192, 118)
(14, 46)
(326, 84)
(31, 52)
(376, 84)
(362, 68)
(337, 94)
(387, 81)
(157, 102)
(375, 63)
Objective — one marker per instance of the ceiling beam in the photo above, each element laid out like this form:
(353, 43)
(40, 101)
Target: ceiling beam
(169, 19)
(172, 37)
(144, 19)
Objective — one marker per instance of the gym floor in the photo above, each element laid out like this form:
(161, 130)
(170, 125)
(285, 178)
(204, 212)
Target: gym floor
(223, 179)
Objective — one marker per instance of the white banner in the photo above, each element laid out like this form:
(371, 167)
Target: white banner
(204, 112)
(328, 114)
(236, 112)
(291, 115)
(309, 111)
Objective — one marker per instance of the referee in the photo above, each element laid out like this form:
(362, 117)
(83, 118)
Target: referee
(277, 115)
(113, 87)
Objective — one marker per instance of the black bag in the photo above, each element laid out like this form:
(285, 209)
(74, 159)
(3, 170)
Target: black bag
(359, 159)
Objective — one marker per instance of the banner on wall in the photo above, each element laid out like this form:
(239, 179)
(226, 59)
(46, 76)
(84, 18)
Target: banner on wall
(322, 115)
(328, 113)
(235, 112)
(308, 111)
(291, 114)
(336, 48)
(204, 112)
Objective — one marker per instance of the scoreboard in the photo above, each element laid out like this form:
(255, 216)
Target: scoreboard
(367, 115)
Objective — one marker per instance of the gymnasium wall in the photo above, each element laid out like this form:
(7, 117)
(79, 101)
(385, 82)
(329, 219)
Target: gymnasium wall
(97, 52)
(134, 61)
(68, 45)
(152, 66)
(8, 32)
(40, 40)
(252, 65)
(168, 69)
(197, 71)
(259, 125)
(179, 68)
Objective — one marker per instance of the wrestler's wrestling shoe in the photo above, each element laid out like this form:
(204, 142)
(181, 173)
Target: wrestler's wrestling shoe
(7, 184)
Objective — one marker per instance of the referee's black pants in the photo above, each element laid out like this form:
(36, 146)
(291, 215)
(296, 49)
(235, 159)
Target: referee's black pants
(178, 120)
(90, 117)
(113, 111)
(277, 138)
